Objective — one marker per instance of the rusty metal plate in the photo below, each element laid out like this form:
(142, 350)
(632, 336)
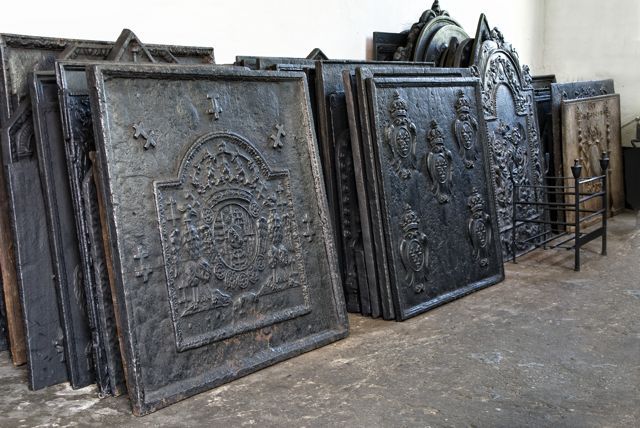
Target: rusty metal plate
(516, 153)
(434, 187)
(571, 91)
(79, 196)
(222, 249)
(590, 127)
(368, 239)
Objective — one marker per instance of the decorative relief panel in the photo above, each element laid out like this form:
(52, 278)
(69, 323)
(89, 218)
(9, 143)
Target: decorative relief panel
(509, 109)
(230, 242)
(401, 138)
(590, 127)
(438, 223)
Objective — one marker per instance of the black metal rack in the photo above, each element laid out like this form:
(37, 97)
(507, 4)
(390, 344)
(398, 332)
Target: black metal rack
(567, 187)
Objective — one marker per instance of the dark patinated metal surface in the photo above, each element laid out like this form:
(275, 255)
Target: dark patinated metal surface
(421, 32)
(440, 42)
(590, 127)
(385, 44)
(571, 91)
(269, 62)
(516, 152)
(437, 210)
(542, 96)
(45, 370)
(337, 162)
(220, 236)
(483, 33)
(76, 144)
(44, 336)
(372, 293)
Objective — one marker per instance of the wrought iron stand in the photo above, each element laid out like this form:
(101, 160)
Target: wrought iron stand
(570, 186)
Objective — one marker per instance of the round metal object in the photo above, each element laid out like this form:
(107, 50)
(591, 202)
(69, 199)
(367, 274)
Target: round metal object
(427, 33)
(440, 42)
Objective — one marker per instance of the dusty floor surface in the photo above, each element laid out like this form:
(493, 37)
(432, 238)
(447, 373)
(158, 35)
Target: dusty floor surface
(547, 347)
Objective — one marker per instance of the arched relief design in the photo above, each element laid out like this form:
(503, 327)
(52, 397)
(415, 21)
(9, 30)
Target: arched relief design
(512, 137)
(232, 250)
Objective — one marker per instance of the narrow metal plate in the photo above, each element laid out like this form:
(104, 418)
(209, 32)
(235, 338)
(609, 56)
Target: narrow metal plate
(220, 236)
(365, 179)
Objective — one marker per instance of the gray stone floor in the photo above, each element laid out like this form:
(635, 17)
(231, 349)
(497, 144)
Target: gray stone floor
(547, 347)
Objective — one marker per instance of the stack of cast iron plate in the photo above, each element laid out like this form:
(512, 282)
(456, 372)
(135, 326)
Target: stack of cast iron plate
(165, 225)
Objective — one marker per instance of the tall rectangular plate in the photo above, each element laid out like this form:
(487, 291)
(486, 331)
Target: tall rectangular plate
(590, 127)
(222, 253)
(435, 192)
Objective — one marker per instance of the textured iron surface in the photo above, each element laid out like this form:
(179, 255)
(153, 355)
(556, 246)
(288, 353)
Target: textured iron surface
(220, 236)
(571, 91)
(590, 127)
(38, 297)
(77, 143)
(337, 160)
(434, 188)
(63, 244)
(516, 153)
(370, 239)
(385, 44)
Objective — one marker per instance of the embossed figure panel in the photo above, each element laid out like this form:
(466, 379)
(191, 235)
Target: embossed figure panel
(590, 127)
(21, 55)
(79, 194)
(352, 226)
(221, 242)
(438, 218)
(571, 91)
(365, 180)
(516, 153)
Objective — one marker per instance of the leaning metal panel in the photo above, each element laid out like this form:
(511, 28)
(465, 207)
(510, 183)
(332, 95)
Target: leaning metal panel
(512, 125)
(438, 215)
(19, 56)
(337, 162)
(591, 127)
(43, 327)
(78, 144)
(571, 91)
(221, 242)
(370, 233)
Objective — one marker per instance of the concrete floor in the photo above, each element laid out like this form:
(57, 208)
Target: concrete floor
(547, 347)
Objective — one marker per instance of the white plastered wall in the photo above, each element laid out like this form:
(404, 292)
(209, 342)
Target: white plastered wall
(341, 28)
(590, 39)
(574, 39)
